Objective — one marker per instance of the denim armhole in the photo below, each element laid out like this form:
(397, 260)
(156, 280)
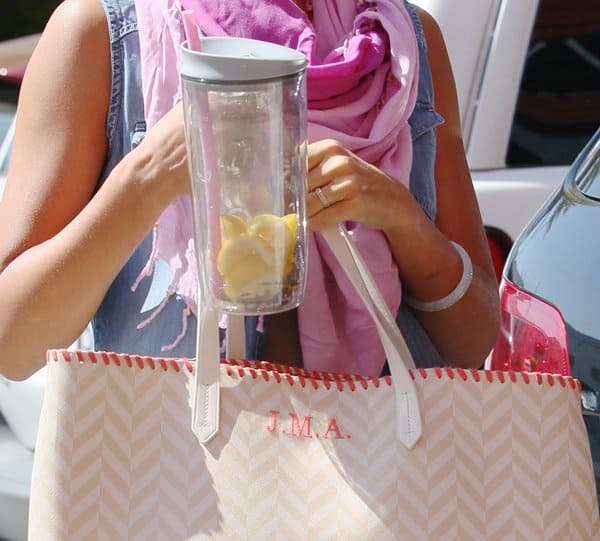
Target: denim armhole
(423, 121)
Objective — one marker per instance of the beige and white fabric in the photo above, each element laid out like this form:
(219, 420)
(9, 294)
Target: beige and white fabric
(306, 456)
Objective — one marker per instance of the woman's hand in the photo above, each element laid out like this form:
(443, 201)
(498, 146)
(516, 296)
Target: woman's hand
(353, 190)
(163, 158)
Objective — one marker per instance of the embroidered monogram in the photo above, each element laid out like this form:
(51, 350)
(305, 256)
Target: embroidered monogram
(302, 426)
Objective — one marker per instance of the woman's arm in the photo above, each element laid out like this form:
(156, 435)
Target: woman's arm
(472, 324)
(429, 266)
(61, 245)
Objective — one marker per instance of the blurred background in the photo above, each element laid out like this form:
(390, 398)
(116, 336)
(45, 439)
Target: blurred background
(18, 18)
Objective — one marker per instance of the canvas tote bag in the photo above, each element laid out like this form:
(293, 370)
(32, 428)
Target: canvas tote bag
(139, 448)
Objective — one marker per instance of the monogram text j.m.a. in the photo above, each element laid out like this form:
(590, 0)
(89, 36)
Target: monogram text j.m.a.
(302, 426)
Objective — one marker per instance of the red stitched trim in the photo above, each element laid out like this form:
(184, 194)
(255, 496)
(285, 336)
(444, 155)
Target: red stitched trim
(292, 375)
(349, 381)
(363, 382)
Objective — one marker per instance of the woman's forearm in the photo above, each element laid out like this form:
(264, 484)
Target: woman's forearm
(50, 291)
(430, 268)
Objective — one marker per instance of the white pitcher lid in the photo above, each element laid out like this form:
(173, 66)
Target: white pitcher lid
(231, 59)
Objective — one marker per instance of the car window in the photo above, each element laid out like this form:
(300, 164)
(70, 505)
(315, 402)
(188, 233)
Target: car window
(7, 112)
(5, 149)
(587, 178)
(558, 107)
(8, 107)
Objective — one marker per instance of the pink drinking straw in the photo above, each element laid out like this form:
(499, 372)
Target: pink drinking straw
(192, 33)
(213, 198)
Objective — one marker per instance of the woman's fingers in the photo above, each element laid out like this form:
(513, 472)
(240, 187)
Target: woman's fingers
(343, 211)
(319, 151)
(342, 187)
(328, 160)
(327, 195)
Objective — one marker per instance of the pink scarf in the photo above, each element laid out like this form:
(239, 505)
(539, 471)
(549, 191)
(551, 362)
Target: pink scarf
(362, 84)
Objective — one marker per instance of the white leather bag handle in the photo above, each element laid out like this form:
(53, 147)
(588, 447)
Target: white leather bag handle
(205, 415)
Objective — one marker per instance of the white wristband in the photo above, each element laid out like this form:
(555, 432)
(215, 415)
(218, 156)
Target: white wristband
(455, 295)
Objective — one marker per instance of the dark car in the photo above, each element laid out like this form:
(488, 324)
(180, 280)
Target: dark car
(550, 291)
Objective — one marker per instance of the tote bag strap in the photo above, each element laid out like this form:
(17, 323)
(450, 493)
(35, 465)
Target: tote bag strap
(205, 415)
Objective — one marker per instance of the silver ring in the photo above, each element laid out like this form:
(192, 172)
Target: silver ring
(322, 198)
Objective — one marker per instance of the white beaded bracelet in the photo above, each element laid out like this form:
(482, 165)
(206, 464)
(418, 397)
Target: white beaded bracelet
(455, 295)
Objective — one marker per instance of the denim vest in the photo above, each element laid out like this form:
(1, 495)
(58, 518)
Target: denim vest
(115, 325)
(123, 311)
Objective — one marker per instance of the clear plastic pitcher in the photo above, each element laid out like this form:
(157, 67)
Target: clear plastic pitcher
(246, 129)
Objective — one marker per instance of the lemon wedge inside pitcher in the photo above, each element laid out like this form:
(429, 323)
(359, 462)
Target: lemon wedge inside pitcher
(256, 256)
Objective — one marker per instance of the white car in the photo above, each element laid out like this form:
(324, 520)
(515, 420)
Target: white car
(522, 126)
(528, 80)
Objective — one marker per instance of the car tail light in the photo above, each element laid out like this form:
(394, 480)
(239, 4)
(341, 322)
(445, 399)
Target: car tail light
(532, 334)
(500, 244)
(498, 256)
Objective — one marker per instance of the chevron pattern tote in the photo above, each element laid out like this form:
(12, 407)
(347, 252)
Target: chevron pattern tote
(307, 456)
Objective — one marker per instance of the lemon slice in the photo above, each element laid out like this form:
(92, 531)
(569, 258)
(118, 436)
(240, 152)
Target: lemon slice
(291, 224)
(268, 227)
(234, 251)
(232, 226)
(251, 279)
